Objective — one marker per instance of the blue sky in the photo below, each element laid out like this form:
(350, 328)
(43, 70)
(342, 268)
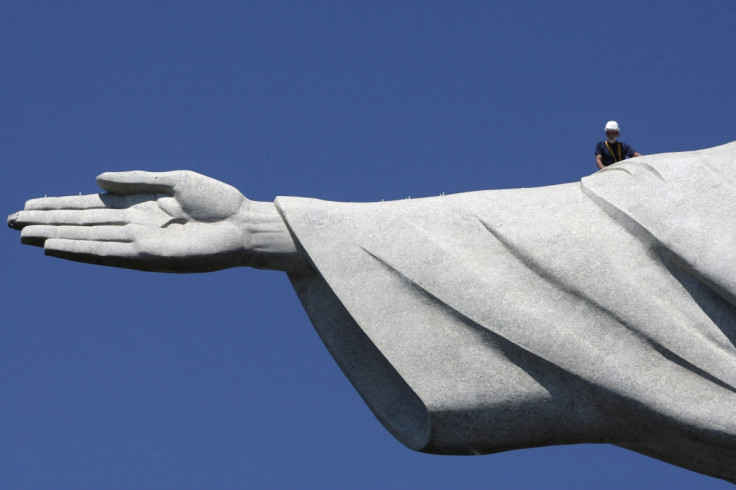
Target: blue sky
(121, 379)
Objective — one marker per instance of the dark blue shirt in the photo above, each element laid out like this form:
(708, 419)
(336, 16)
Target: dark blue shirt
(620, 149)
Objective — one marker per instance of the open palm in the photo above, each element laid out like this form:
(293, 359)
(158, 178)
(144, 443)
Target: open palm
(177, 221)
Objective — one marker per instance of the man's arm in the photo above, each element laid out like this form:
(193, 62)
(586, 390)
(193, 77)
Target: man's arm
(629, 151)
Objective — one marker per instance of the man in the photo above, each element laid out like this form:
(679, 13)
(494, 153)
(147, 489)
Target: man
(611, 151)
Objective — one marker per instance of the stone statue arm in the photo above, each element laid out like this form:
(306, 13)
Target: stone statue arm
(178, 221)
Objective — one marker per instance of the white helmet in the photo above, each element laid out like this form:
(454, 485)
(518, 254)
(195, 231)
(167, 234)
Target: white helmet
(612, 126)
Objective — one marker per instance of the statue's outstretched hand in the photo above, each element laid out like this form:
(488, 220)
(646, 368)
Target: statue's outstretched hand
(177, 221)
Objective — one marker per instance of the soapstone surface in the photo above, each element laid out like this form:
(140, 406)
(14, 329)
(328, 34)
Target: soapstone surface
(599, 311)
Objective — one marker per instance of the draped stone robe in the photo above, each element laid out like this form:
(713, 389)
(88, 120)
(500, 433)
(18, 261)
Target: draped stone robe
(598, 311)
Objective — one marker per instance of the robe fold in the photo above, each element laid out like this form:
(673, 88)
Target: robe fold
(598, 311)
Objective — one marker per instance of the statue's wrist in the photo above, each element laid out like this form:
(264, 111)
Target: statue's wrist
(268, 243)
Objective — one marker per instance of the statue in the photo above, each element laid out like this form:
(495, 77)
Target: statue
(599, 311)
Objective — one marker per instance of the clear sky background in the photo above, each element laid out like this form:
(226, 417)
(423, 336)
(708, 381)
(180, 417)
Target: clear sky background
(121, 379)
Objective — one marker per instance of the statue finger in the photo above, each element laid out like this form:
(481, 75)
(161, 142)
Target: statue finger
(36, 235)
(86, 217)
(103, 253)
(88, 201)
(139, 182)
(13, 221)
